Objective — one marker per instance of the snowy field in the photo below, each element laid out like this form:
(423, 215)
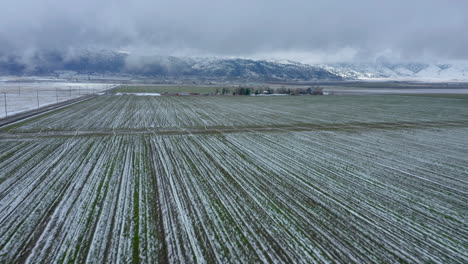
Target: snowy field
(17, 97)
(420, 91)
(337, 179)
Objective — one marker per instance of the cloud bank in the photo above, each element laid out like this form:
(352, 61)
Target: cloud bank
(311, 31)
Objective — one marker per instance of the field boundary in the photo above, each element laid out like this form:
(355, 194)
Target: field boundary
(352, 126)
(48, 108)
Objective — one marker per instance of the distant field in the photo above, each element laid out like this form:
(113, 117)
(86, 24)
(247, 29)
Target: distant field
(454, 93)
(167, 89)
(448, 96)
(341, 88)
(292, 179)
(397, 85)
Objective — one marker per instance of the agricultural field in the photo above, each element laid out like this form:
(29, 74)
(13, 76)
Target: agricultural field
(167, 89)
(441, 92)
(294, 179)
(448, 96)
(17, 97)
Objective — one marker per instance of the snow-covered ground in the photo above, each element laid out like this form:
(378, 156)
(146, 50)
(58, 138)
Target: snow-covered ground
(140, 94)
(17, 97)
(298, 179)
(338, 90)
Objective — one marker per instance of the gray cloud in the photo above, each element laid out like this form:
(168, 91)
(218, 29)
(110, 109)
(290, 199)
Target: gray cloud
(304, 29)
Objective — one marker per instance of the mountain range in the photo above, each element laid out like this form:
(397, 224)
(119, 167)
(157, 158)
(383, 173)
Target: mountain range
(400, 71)
(109, 62)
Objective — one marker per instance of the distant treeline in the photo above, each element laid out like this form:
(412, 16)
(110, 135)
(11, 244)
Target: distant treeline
(241, 90)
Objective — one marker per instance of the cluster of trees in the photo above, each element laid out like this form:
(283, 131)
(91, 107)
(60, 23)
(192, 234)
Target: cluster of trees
(224, 91)
(296, 91)
(268, 90)
(235, 91)
(242, 91)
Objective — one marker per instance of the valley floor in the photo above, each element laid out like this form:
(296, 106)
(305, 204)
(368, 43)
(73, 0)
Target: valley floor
(237, 179)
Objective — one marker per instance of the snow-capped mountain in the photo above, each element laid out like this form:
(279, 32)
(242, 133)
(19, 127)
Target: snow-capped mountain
(393, 71)
(228, 68)
(104, 62)
(165, 66)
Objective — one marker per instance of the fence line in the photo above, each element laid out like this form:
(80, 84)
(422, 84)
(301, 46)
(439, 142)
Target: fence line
(6, 108)
(20, 99)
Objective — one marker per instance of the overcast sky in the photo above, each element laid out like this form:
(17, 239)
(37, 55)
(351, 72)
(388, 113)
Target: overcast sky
(304, 30)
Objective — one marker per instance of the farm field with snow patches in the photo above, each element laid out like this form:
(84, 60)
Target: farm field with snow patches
(293, 179)
(17, 97)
